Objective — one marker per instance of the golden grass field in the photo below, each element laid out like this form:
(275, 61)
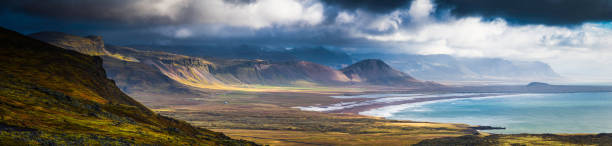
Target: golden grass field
(268, 118)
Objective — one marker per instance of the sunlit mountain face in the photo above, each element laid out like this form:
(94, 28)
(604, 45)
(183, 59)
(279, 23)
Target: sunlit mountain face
(305, 72)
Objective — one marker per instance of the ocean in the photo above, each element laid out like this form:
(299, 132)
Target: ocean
(522, 113)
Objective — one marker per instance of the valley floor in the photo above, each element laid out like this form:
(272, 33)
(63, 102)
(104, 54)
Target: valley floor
(272, 119)
(269, 118)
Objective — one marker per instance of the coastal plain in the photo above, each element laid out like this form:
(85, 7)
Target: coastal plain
(271, 118)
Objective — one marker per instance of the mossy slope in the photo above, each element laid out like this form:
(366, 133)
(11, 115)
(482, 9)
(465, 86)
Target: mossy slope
(49, 95)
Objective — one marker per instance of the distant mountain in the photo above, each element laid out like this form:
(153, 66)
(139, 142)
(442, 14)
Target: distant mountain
(448, 68)
(537, 84)
(279, 73)
(223, 73)
(319, 55)
(426, 67)
(377, 72)
(54, 96)
(324, 56)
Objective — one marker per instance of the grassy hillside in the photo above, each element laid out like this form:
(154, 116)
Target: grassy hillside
(49, 95)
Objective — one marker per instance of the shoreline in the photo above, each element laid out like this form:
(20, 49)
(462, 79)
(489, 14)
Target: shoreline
(364, 106)
(359, 110)
(388, 110)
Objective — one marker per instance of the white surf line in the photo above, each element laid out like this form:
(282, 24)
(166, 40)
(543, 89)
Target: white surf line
(388, 111)
(374, 95)
(395, 98)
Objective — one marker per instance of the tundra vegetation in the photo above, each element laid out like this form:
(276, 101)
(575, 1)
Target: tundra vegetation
(53, 96)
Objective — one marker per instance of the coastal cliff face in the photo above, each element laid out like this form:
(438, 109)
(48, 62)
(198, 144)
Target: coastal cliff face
(51, 95)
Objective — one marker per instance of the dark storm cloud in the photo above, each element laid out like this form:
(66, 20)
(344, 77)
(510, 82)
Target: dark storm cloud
(377, 6)
(549, 12)
(101, 11)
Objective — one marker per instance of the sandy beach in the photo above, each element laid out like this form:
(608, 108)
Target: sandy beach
(367, 104)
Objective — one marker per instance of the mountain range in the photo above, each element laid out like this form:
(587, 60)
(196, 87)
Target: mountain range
(449, 68)
(55, 96)
(319, 55)
(137, 70)
(425, 67)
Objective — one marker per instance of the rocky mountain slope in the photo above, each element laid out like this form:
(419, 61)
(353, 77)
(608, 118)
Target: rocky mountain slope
(54, 96)
(278, 73)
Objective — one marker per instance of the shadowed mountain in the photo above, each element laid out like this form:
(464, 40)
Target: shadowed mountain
(377, 72)
(278, 73)
(319, 55)
(54, 96)
(324, 56)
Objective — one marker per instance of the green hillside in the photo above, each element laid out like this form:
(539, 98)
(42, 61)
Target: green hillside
(49, 95)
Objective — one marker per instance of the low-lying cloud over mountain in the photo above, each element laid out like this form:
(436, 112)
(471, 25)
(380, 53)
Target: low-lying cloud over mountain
(572, 36)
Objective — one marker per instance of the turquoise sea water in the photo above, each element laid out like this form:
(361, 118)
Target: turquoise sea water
(527, 113)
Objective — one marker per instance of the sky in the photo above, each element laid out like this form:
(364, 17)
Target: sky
(574, 37)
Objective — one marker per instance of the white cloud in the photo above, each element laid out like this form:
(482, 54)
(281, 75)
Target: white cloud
(345, 17)
(183, 33)
(580, 51)
(387, 22)
(170, 9)
(259, 14)
(420, 10)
